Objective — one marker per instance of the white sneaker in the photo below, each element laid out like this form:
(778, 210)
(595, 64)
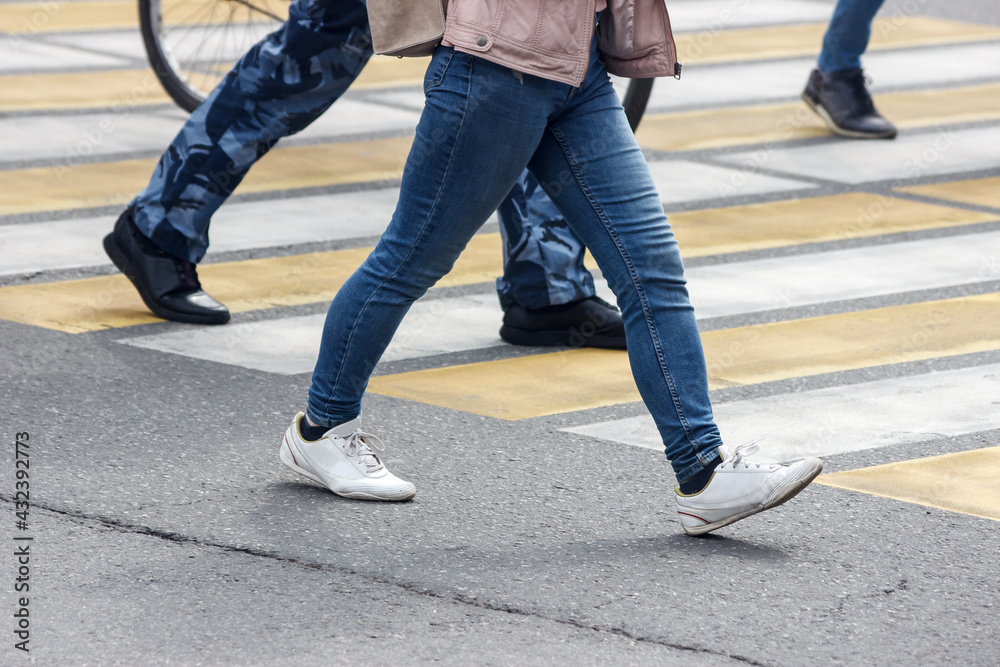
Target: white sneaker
(344, 461)
(740, 488)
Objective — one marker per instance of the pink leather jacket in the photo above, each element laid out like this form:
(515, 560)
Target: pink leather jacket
(551, 38)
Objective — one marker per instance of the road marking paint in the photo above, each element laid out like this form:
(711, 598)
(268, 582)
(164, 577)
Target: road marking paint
(100, 89)
(962, 482)
(746, 83)
(72, 138)
(680, 181)
(845, 341)
(467, 323)
(840, 275)
(979, 191)
(792, 222)
(73, 243)
(806, 39)
(121, 89)
(909, 156)
(834, 420)
(69, 186)
(522, 387)
(713, 16)
(91, 304)
(136, 87)
(700, 233)
(582, 379)
(116, 14)
(290, 345)
(773, 123)
(18, 17)
(110, 183)
(34, 55)
(387, 72)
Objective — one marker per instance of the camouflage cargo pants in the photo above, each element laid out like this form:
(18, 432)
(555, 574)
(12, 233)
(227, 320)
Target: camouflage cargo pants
(278, 88)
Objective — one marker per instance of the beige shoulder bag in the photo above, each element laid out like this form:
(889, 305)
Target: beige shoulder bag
(406, 27)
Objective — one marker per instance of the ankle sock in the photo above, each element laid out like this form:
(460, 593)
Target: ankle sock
(700, 479)
(310, 432)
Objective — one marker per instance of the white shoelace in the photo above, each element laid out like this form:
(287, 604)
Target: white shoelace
(360, 445)
(741, 451)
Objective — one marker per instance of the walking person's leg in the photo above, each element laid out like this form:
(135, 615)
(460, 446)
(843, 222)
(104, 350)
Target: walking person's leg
(546, 292)
(589, 163)
(847, 35)
(837, 90)
(280, 86)
(450, 186)
(479, 127)
(277, 88)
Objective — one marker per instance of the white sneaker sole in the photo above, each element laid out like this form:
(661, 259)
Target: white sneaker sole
(785, 493)
(403, 493)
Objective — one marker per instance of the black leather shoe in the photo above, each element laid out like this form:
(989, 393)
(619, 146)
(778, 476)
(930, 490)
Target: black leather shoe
(168, 286)
(842, 100)
(590, 322)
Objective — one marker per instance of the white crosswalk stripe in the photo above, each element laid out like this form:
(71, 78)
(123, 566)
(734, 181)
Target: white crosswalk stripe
(732, 84)
(935, 153)
(446, 325)
(830, 421)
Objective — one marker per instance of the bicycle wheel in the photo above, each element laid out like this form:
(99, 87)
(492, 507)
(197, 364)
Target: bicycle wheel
(636, 99)
(191, 44)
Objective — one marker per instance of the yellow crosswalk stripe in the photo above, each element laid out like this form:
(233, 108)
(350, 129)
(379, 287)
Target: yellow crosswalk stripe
(961, 482)
(791, 222)
(386, 71)
(573, 380)
(96, 303)
(787, 41)
(94, 15)
(124, 89)
(117, 89)
(33, 17)
(108, 183)
(980, 191)
(771, 123)
(91, 304)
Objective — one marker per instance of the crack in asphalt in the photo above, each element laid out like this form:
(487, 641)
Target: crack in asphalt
(169, 536)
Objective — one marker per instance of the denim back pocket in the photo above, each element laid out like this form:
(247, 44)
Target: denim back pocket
(438, 67)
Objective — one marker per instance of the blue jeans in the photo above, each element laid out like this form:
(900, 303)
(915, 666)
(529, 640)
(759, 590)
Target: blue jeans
(847, 35)
(279, 87)
(480, 127)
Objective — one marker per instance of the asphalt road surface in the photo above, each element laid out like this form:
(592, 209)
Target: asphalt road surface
(849, 297)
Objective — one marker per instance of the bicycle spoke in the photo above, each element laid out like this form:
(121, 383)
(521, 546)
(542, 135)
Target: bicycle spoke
(202, 40)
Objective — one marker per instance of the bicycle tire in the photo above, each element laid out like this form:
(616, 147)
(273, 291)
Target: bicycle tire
(636, 99)
(186, 74)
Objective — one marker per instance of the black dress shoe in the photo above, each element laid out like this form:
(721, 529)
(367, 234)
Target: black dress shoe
(842, 100)
(590, 322)
(168, 286)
